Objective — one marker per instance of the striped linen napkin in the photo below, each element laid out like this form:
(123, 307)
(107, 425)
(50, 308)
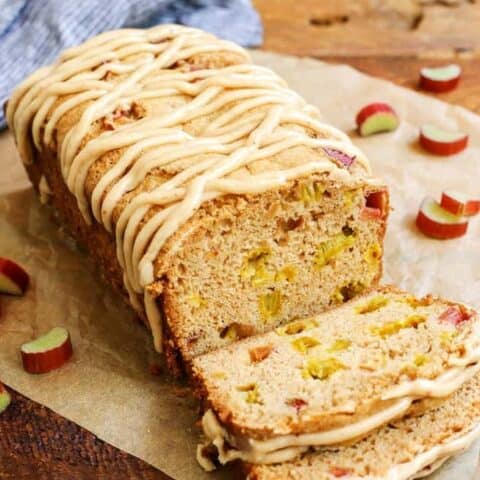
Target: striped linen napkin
(33, 32)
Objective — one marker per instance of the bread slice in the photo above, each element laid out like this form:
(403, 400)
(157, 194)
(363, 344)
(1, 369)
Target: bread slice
(212, 196)
(404, 450)
(332, 378)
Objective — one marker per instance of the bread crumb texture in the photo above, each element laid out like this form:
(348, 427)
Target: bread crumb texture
(339, 364)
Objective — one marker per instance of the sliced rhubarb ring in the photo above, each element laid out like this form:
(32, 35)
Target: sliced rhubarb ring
(458, 203)
(13, 278)
(376, 118)
(442, 142)
(440, 79)
(5, 398)
(436, 222)
(48, 352)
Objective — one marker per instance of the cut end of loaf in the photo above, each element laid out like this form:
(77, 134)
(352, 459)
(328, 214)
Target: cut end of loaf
(252, 264)
(322, 373)
(410, 448)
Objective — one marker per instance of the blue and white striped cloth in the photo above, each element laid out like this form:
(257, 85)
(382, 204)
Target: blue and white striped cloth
(33, 32)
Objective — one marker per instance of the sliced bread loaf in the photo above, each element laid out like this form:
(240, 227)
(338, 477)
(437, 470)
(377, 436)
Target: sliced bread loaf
(333, 378)
(213, 197)
(404, 450)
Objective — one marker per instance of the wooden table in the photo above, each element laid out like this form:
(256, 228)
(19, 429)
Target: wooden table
(393, 41)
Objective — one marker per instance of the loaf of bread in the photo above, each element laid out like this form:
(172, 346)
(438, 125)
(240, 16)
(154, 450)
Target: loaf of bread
(333, 378)
(211, 196)
(404, 450)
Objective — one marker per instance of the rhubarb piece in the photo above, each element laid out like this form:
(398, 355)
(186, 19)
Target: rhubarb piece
(297, 403)
(5, 398)
(419, 302)
(376, 118)
(287, 273)
(298, 326)
(435, 222)
(446, 339)
(303, 344)
(260, 353)
(368, 213)
(458, 204)
(322, 368)
(373, 255)
(393, 327)
(48, 352)
(340, 157)
(339, 472)
(421, 359)
(442, 142)
(252, 394)
(255, 268)
(196, 301)
(329, 249)
(440, 79)
(376, 206)
(337, 295)
(270, 305)
(236, 331)
(374, 304)
(13, 278)
(310, 193)
(455, 315)
(339, 345)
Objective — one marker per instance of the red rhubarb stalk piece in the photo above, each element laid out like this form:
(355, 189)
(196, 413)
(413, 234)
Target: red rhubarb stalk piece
(13, 278)
(48, 352)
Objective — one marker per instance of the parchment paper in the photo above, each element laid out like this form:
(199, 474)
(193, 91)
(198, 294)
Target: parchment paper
(107, 387)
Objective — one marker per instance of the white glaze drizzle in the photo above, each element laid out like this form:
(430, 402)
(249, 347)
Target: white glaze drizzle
(408, 470)
(434, 457)
(250, 106)
(224, 441)
(445, 384)
(203, 460)
(429, 469)
(155, 319)
(290, 446)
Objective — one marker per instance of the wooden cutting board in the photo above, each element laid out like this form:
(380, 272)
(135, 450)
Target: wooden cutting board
(392, 39)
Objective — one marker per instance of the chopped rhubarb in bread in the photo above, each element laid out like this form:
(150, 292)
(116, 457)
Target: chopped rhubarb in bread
(335, 377)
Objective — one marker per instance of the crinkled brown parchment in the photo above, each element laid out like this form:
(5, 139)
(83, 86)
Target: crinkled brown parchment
(107, 388)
